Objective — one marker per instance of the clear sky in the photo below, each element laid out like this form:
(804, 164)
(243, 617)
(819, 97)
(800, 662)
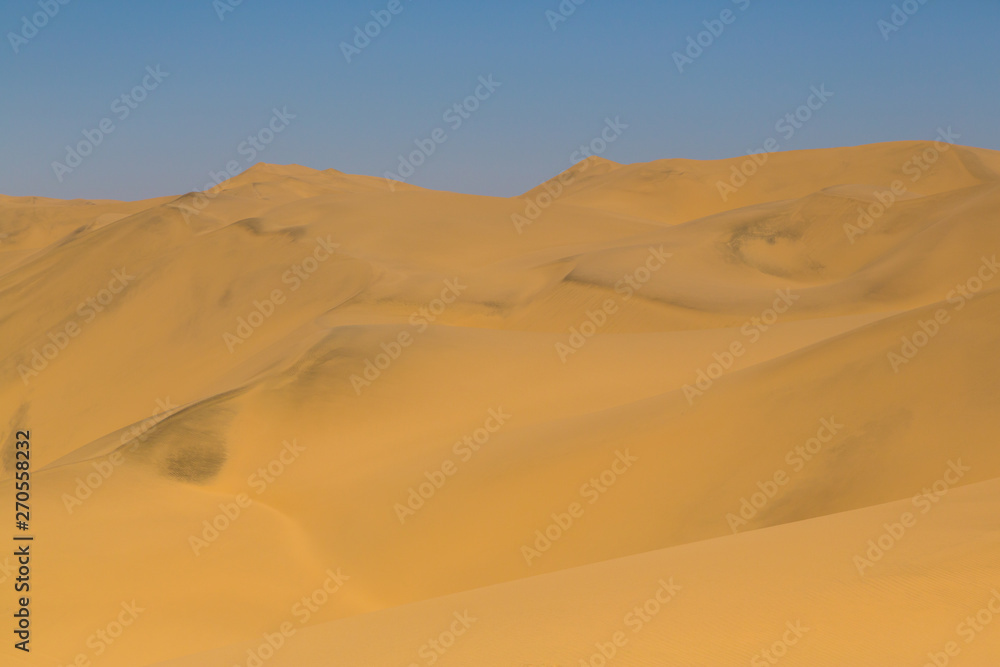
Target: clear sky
(225, 68)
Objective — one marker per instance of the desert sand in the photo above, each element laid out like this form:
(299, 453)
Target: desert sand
(670, 413)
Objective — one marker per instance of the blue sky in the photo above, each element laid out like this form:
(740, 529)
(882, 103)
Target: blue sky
(222, 79)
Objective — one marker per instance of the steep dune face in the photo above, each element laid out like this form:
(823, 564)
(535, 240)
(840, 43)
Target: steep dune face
(306, 380)
(805, 603)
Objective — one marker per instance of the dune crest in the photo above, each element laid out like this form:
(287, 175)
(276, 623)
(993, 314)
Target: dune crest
(413, 405)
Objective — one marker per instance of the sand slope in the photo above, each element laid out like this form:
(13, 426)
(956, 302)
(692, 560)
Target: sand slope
(411, 388)
(805, 604)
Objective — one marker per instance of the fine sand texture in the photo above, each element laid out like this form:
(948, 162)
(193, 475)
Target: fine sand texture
(691, 413)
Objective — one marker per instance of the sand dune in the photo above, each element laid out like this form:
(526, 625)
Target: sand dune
(532, 409)
(806, 603)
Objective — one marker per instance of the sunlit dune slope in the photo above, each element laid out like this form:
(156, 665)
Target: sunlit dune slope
(305, 372)
(791, 595)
